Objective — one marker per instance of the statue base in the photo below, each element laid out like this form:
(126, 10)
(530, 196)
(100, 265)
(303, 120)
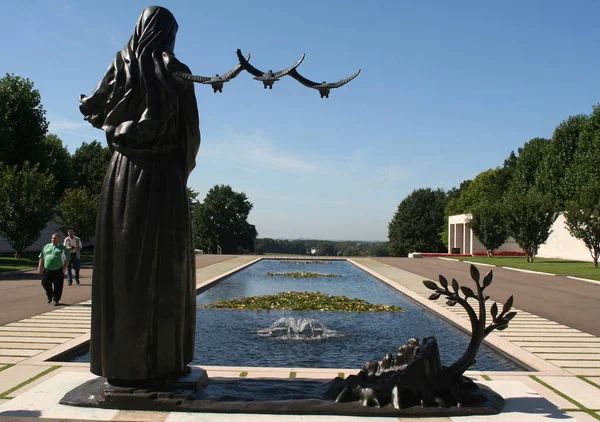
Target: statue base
(195, 392)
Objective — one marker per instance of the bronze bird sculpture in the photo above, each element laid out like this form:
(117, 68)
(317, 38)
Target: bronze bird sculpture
(268, 78)
(324, 88)
(216, 81)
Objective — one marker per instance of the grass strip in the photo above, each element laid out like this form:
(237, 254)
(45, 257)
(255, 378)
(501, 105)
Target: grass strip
(244, 374)
(583, 378)
(5, 395)
(8, 365)
(559, 393)
(341, 374)
(292, 374)
(486, 377)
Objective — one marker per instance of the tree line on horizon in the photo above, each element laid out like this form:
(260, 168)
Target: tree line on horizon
(521, 198)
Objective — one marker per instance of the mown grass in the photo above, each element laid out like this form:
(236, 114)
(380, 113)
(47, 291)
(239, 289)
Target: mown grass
(29, 260)
(545, 265)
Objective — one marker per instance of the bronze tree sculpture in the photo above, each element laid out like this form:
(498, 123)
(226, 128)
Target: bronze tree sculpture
(415, 375)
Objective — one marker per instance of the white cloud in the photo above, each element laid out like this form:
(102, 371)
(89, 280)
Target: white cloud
(59, 125)
(253, 150)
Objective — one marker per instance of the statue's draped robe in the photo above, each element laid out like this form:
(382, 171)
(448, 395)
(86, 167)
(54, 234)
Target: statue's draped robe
(143, 286)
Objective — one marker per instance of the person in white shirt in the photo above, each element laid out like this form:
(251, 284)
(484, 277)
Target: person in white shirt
(73, 245)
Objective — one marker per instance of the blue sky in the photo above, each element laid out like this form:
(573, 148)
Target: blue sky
(447, 90)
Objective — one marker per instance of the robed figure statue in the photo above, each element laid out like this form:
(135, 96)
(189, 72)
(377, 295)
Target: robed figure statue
(143, 286)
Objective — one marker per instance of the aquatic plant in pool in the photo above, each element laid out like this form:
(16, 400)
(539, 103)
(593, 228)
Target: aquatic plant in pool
(301, 301)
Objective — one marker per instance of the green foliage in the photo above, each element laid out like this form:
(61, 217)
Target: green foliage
(222, 219)
(302, 301)
(23, 124)
(301, 274)
(558, 158)
(378, 249)
(78, 210)
(529, 218)
(528, 162)
(583, 218)
(352, 250)
(585, 168)
(89, 163)
(57, 160)
(487, 187)
(26, 204)
(488, 223)
(417, 223)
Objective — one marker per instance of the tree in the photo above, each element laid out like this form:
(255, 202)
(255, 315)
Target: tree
(89, 163)
(222, 220)
(57, 161)
(529, 218)
(26, 204)
(352, 250)
(77, 211)
(417, 223)
(488, 223)
(583, 219)
(524, 173)
(23, 124)
(585, 168)
(558, 158)
(378, 249)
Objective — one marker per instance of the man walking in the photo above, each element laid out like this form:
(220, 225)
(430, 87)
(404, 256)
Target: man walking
(53, 263)
(73, 245)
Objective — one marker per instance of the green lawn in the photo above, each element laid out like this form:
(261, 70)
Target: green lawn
(29, 260)
(545, 265)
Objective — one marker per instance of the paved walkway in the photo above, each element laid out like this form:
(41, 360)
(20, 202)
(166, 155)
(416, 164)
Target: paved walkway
(566, 361)
(570, 302)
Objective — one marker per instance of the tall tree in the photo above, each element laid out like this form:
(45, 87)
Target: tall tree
(583, 219)
(488, 222)
(558, 158)
(585, 168)
(23, 124)
(416, 225)
(77, 211)
(27, 203)
(57, 161)
(89, 163)
(529, 219)
(524, 173)
(222, 220)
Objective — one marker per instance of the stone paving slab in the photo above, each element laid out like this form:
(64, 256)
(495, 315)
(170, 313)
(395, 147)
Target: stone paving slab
(17, 374)
(577, 363)
(583, 417)
(572, 356)
(19, 352)
(584, 371)
(42, 330)
(27, 338)
(11, 359)
(565, 349)
(37, 346)
(579, 390)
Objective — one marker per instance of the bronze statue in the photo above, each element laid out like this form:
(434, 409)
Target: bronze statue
(143, 288)
(324, 88)
(216, 81)
(269, 77)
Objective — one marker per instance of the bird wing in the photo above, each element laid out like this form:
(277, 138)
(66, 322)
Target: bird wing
(344, 81)
(289, 69)
(247, 66)
(191, 78)
(234, 72)
(306, 82)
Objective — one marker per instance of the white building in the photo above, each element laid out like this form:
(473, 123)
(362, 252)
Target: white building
(560, 243)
